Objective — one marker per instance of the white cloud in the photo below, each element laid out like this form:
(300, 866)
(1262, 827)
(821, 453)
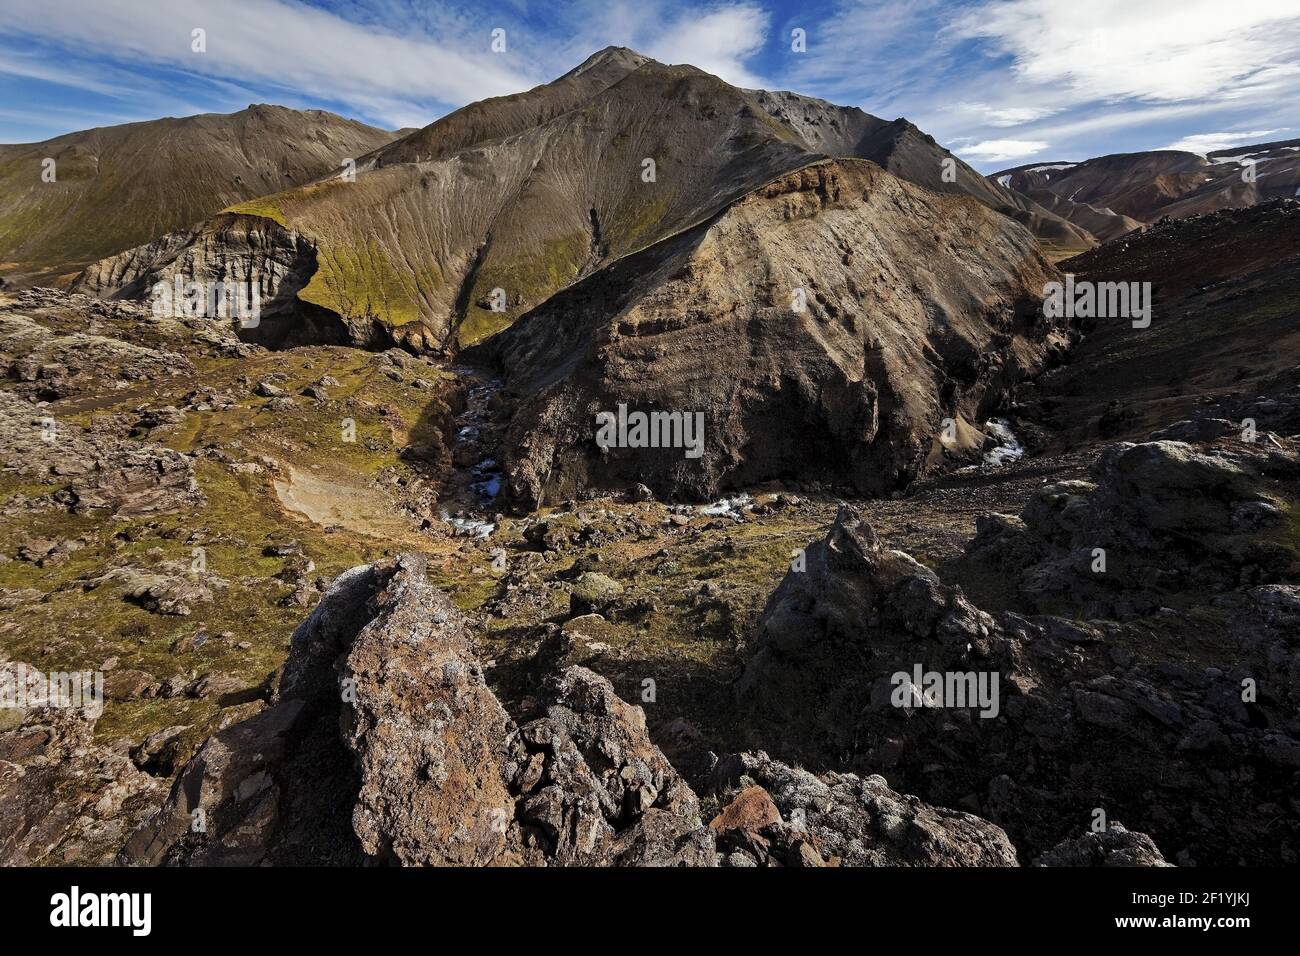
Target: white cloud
(718, 41)
(1009, 115)
(1087, 78)
(1212, 142)
(999, 150)
(1158, 50)
(1016, 115)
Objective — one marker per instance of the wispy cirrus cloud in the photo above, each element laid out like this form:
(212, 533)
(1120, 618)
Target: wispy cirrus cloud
(1086, 79)
(1001, 150)
(274, 43)
(1155, 50)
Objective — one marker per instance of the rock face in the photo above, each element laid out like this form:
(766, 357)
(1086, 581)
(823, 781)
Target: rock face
(1157, 519)
(255, 255)
(64, 799)
(1037, 720)
(1114, 846)
(422, 718)
(832, 635)
(812, 325)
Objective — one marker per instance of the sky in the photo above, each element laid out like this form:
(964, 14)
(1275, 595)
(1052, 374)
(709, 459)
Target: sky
(999, 82)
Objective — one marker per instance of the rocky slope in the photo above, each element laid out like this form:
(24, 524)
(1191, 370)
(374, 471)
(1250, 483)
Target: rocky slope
(1138, 713)
(384, 744)
(451, 233)
(1143, 646)
(119, 186)
(824, 326)
(1222, 346)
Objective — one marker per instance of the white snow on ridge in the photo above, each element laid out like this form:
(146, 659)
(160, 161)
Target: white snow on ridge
(1039, 169)
(1005, 181)
(1261, 157)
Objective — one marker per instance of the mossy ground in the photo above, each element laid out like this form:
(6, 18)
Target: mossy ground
(260, 207)
(246, 628)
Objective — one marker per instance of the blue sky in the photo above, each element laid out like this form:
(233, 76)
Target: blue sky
(1000, 82)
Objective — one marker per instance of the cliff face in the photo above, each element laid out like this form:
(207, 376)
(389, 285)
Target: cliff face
(250, 254)
(824, 325)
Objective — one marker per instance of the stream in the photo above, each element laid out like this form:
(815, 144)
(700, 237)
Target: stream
(469, 497)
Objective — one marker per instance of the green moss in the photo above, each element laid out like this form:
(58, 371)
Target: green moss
(78, 627)
(259, 207)
(639, 224)
(360, 281)
(526, 283)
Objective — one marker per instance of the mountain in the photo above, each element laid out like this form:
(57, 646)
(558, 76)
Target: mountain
(1123, 191)
(116, 187)
(450, 234)
(821, 327)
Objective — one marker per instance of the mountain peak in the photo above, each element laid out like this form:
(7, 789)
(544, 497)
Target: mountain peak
(620, 56)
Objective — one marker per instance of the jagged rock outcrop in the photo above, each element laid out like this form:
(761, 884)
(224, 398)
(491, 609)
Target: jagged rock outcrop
(822, 327)
(1113, 846)
(384, 744)
(853, 603)
(594, 789)
(429, 738)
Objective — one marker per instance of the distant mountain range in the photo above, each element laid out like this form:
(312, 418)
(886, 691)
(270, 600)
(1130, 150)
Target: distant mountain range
(1111, 195)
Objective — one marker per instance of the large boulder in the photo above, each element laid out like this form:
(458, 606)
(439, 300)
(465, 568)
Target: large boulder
(1113, 846)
